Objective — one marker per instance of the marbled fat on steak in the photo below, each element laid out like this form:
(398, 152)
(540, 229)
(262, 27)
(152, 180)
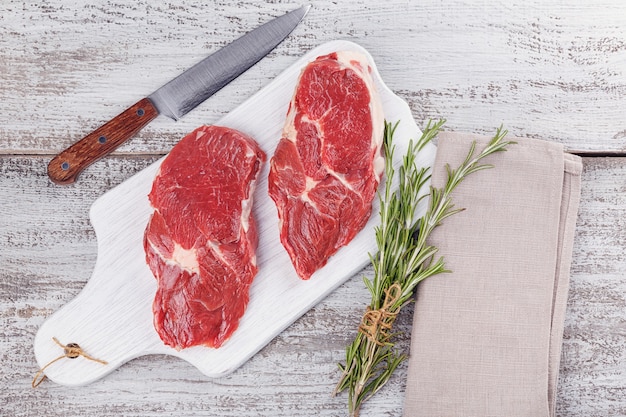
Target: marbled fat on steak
(201, 239)
(328, 164)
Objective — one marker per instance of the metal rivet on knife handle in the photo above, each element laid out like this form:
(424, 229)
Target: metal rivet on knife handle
(66, 166)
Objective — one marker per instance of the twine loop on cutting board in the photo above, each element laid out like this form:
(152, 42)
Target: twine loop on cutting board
(376, 324)
(70, 351)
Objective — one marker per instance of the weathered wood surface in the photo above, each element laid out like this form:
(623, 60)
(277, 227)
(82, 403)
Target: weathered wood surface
(555, 72)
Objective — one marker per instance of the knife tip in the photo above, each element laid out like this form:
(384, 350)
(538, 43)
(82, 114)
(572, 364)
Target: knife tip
(304, 9)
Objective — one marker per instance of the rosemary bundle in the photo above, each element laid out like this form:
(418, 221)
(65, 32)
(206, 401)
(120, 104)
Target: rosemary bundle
(403, 260)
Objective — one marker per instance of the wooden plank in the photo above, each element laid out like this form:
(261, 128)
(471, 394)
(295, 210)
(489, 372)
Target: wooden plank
(594, 348)
(48, 251)
(551, 71)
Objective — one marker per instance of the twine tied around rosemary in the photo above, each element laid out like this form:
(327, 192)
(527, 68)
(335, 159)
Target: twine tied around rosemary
(71, 351)
(376, 324)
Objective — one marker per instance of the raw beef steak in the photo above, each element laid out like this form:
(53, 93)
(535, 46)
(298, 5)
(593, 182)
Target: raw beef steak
(201, 239)
(328, 163)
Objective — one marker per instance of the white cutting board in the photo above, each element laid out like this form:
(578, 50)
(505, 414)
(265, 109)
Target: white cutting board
(111, 319)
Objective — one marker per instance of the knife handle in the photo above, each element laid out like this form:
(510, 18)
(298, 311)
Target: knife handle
(65, 167)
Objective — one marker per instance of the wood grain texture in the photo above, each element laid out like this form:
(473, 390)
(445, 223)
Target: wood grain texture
(547, 70)
(49, 250)
(64, 168)
(552, 71)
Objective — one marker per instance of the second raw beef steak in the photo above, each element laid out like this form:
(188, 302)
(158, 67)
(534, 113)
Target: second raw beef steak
(328, 164)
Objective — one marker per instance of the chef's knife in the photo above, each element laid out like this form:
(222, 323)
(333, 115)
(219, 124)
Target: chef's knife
(177, 97)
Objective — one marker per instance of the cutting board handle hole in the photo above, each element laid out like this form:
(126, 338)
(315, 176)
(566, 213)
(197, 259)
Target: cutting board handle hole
(72, 353)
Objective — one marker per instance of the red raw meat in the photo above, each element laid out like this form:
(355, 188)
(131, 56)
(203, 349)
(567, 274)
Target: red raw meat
(328, 164)
(201, 239)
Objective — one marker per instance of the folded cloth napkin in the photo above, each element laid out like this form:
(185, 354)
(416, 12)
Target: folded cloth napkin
(486, 338)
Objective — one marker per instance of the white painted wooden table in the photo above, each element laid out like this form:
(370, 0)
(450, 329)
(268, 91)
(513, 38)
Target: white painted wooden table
(556, 72)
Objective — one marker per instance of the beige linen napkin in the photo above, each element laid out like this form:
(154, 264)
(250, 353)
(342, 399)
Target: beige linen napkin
(486, 338)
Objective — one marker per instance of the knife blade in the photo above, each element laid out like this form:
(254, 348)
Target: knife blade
(176, 98)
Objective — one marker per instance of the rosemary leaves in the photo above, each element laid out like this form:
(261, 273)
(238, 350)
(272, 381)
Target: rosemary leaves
(403, 260)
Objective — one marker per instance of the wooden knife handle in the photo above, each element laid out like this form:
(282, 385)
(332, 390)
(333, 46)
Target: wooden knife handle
(65, 167)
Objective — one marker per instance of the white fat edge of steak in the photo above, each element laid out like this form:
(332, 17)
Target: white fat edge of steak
(347, 59)
(246, 204)
(246, 212)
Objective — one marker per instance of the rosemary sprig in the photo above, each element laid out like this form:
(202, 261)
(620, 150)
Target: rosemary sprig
(403, 260)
